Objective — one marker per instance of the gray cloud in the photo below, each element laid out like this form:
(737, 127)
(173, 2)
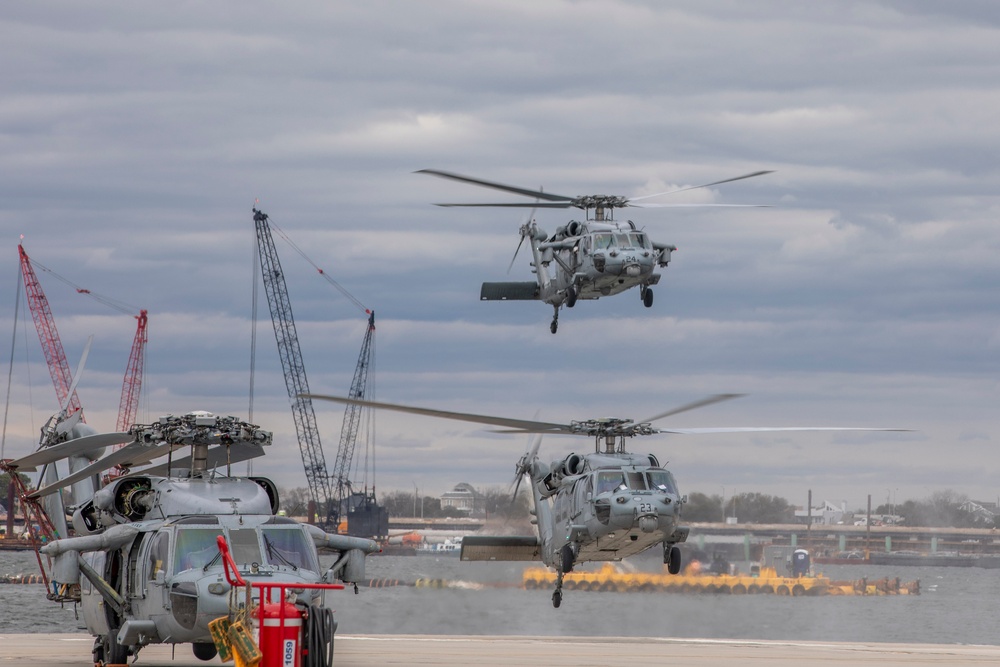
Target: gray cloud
(135, 141)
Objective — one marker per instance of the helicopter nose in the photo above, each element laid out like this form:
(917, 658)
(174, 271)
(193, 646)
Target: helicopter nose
(633, 270)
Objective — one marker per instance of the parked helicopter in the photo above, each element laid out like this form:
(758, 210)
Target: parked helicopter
(602, 506)
(145, 566)
(594, 258)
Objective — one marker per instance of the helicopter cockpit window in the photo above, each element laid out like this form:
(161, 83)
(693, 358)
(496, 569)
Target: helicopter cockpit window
(636, 481)
(623, 241)
(195, 547)
(603, 241)
(609, 481)
(158, 554)
(639, 240)
(244, 546)
(662, 480)
(287, 547)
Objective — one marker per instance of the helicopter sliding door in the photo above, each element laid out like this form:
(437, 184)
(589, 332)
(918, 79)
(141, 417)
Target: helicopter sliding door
(90, 598)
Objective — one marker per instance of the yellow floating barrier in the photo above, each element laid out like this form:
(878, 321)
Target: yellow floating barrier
(609, 578)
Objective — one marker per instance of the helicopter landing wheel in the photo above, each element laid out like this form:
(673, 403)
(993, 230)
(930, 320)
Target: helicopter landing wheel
(554, 326)
(568, 558)
(571, 296)
(204, 650)
(107, 650)
(647, 297)
(673, 559)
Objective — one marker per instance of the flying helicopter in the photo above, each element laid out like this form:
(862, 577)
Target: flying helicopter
(587, 259)
(144, 565)
(604, 505)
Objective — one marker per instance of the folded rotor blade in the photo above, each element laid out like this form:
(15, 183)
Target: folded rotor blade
(717, 398)
(706, 185)
(66, 425)
(216, 458)
(522, 425)
(76, 376)
(137, 453)
(69, 448)
(492, 184)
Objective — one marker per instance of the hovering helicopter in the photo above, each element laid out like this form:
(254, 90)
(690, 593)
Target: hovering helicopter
(593, 258)
(602, 506)
(144, 564)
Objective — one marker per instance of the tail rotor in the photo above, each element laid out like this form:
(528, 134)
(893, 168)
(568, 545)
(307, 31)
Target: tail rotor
(525, 231)
(524, 464)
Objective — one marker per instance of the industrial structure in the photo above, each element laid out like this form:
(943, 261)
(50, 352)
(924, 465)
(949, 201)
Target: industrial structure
(128, 407)
(335, 499)
(55, 356)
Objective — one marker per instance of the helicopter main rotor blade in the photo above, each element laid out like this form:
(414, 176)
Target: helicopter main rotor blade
(717, 398)
(654, 205)
(67, 425)
(218, 456)
(492, 184)
(514, 205)
(706, 185)
(76, 376)
(70, 448)
(522, 425)
(137, 453)
(771, 429)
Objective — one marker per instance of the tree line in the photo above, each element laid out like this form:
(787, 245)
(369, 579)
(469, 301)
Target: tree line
(940, 509)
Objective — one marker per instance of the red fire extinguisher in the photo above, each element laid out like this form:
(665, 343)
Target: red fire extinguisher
(281, 636)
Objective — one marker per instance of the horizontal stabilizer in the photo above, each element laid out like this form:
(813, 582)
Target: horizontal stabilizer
(496, 547)
(527, 291)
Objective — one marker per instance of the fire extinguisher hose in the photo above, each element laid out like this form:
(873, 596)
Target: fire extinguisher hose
(320, 629)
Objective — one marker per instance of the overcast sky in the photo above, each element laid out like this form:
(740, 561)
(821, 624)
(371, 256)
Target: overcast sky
(135, 138)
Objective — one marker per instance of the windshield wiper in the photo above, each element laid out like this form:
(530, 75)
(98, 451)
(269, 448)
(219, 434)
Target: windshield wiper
(212, 562)
(274, 552)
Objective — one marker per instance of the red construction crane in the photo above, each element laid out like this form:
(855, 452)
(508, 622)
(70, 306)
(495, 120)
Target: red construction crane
(52, 347)
(132, 384)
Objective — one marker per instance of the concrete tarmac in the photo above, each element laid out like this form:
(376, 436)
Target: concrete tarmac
(51, 650)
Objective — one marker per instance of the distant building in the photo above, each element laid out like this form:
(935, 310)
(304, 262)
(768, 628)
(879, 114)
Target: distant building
(826, 513)
(979, 511)
(465, 498)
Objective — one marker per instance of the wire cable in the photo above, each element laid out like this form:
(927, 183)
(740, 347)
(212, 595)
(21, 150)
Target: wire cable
(341, 288)
(116, 304)
(10, 370)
